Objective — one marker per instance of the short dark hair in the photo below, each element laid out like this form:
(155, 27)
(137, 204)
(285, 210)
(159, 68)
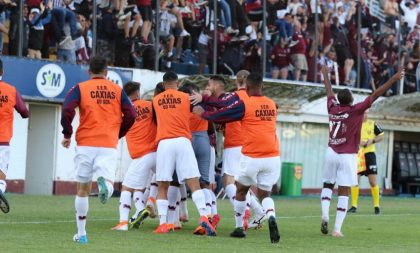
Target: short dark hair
(170, 76)
(159, 89)
(219, 79)
(97, 64)
(345, 97)
(254, 80)
(189, 88)
(1, 65)
(131, 87)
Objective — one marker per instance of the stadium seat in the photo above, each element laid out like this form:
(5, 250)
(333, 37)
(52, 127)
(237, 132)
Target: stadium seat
(397, 146)
(402, 165)
(405, 147)
(412, 165)
(413, 148)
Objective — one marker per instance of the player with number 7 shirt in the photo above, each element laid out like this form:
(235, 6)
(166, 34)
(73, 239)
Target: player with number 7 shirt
(340, 164)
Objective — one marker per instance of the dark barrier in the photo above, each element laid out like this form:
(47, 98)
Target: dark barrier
(41, 80)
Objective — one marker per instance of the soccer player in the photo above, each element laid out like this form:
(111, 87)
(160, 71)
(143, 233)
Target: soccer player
(371, 133)
(10, 100)
(175, 152)
(260, 158)
(106, 114)
(233, 140)
(340, 160)
(142, 148)
(202, 150)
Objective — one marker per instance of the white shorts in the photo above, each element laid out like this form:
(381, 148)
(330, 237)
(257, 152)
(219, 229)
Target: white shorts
(262, 172)
(138, 173)
(340, 168)
(4, 158)
(231, 159)
(212, 168)
(176, 154)
(90, 160)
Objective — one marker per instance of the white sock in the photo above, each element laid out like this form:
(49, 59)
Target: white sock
(110, 188)
(200, 202)
(125, 205)
(178, 201)
(172, 198)
(268, 205)
(213, 203)
(207, 195)
(341, 212)
(239, 207)
(256, 207)
(183, 211)
(138, 202)
(3, 185)
(326, 194)
(82, 206)
(146, 195)
(162, 206)
(152, 193)
(231, 193)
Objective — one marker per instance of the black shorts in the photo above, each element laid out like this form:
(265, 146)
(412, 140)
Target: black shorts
(146, 12)
(343, 53)
(371, 167)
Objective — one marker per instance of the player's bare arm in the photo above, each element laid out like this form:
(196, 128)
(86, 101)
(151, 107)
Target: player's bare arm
(327, 82)
(381, 90)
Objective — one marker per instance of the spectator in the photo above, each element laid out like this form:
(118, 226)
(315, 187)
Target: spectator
(83, 43)
(410, 12)
(36, 20)
(280, 57)
(106, 31)
(391, 12)
(342, 48)
(297, 52)
(284, 24)
(66, 51)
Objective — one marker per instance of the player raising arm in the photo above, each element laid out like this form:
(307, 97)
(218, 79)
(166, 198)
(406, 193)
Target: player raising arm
(345, 120)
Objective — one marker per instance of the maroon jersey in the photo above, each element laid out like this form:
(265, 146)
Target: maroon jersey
(281, 56)
(300, 46)
(346, 125)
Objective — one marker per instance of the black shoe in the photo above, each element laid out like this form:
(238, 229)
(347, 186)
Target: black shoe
(274, 230)
(238, 233)
(353, 209)
(377, 210)
(324, 227)
(4, 205)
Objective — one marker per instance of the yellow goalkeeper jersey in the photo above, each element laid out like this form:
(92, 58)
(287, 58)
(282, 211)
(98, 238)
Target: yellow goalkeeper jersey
(370, 130)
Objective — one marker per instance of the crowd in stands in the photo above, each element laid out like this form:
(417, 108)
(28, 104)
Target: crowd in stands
(296, 45)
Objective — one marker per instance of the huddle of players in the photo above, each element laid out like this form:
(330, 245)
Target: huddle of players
(170, 135)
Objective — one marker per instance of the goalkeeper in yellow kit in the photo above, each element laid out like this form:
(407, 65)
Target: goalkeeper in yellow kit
(371, 134)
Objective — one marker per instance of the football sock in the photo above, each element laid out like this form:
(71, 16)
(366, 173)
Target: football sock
(138, 202)
(207, 195)
(162, 206)
(82, 206)
(256, 207)
(341, 212)
(125, 205)
(200, 202)
(145, 196)
(153, 191)
(213, 203)
(172, 198)
(326, 194)
(239, 207)
(268, 205)
(230, 190)
(178, 201)
(110, 187)
(375, 195)
(355, 195)
(183, 211)
(3, 186)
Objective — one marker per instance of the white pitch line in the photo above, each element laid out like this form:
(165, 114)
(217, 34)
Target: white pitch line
(281, 218)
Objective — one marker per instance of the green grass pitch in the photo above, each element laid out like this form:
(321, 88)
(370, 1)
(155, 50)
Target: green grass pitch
(46, 224)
